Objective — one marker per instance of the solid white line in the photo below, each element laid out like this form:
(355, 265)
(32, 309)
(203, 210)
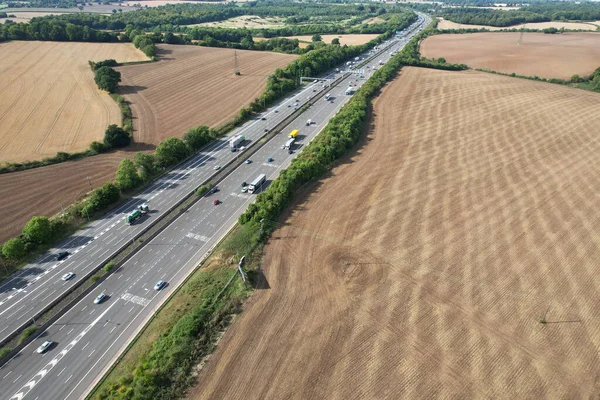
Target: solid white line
(10, 372)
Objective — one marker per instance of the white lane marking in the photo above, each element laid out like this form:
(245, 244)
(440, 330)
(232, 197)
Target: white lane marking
(63, 370)
(69, 378)
(17, 378)
(195, 236)
(9, 372)
(270, 165)
(91, 353)
(40, 375)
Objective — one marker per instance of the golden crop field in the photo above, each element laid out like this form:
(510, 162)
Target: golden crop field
(547, 56)
(49, 101)
(455, 256)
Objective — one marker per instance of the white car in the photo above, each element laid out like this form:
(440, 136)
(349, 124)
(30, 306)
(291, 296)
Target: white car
(67, 276)
(245, 189)
(216, 167)
(100, 298)
(159, 285)
(44, 346)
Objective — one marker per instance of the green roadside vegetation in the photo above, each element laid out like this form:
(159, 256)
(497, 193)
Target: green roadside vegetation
(160, 363)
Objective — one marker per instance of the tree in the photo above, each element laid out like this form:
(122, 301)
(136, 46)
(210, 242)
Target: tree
(198, 137)
(145, 163)
(107, 79)
(38, 230)
(335, 41)
(316, 37)
(116, 137)
(171, 151)
(127, 177)
(14, 249)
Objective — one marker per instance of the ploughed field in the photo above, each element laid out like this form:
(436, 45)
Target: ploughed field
(547, 56)
(422, 267)
(445, 24)
(49, 101)
(193, 86)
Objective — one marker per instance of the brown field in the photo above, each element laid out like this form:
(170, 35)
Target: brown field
(548, 56)
(46, 190)
(445, 24)
(48, 99)
(421, 268)
(374, 20)
(350, 40)
(193, 86)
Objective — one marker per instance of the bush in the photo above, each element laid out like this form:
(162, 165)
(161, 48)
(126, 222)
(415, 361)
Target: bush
(98, 147)
(109, 266)
(171, 151)
(203, 189)
(198, 137)
(26, 333)
(116, 137)
(106, 63)
(109, 193)
(127, 177)
(38, 230)
(107, 79)
(4, 351)
(14, 249)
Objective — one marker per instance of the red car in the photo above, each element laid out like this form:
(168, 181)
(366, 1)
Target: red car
(216, 202)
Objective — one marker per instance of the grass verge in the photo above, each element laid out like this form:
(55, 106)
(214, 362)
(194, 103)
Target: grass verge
(162, 361)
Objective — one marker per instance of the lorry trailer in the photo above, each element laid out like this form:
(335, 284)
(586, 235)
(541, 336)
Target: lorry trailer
(288, 145)
(137, 214)
(257, 183)
(235, 141)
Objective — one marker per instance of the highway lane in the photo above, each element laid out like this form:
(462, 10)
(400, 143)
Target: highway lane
(37, 284)
(89, 336)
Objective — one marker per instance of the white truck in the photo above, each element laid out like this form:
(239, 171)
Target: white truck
(235, 141)
(327, 96)
(288, 145)
(257, 183)
(350, 90)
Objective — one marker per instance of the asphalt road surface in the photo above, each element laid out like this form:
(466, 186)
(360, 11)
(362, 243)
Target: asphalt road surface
(90, 336)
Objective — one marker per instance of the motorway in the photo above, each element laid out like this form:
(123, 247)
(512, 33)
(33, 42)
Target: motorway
(89, 337)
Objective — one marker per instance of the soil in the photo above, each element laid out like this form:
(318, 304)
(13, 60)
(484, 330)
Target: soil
(445, 24)
(49, 101)
(422, 266)
(547, 56)
(192, 86)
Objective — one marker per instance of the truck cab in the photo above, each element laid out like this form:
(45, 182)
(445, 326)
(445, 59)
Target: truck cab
(308, 122)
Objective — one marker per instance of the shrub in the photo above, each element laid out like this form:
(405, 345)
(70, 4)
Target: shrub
(27, 332)
(198, 137)
(127, 177)
(38, 230)
(203, 189)
(98, 147)
(109, 266)
(106, 63)
(171, 151)
(14, 249)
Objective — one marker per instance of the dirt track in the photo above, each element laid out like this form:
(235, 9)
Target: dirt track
(421, 268)
(49, 101)
(193, 86)
(548, 56)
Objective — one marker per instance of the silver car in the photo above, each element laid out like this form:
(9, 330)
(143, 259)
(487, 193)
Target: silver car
(42, 349)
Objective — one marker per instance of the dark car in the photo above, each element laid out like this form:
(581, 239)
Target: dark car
(263, 118)
(62, 255)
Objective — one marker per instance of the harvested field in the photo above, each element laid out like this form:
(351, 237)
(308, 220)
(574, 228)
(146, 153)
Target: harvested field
(193, 86)
(159, 3)
(46, 190)
(49, 101)
(445, 24)
(246, 21)
(27, 16)
(350, 40)
(548, 56)
(421, 268)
